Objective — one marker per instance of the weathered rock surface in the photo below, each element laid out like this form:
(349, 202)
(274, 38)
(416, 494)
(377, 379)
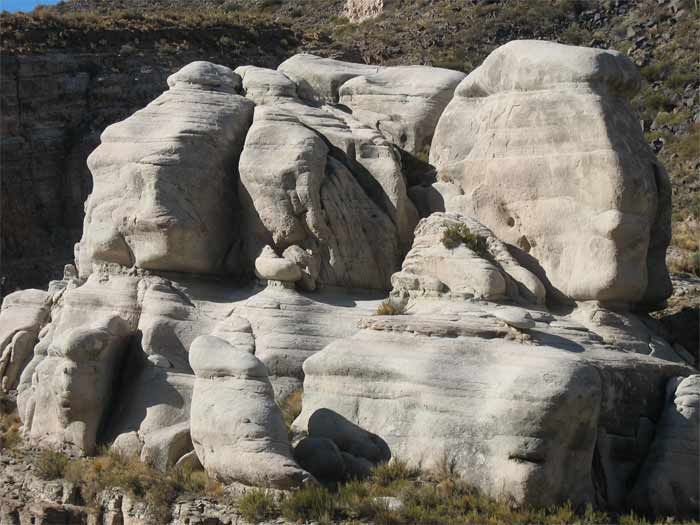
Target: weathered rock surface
(668, 482)
(21, 318)
(532, 419)
(296, 193)
(542, 131)
(440, 264)
(164, 178)
(237, 428)
(318, 79)
(403, 102)
(294, 176)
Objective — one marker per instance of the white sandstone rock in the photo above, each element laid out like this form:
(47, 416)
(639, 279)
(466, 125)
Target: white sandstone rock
(585, 196)
(318, 79)
(21, 318)
(520, 419)
(264, 86)
(237, 428)
(164, 178)
(515, 317)
(269, 266)
(436, 267)
(403, 102)
(669, 482)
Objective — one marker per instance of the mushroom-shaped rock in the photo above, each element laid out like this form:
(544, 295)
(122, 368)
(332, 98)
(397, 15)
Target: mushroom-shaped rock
(201, 74)
(237, 428)
(270, 267)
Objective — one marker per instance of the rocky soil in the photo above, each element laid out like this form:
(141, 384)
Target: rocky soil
(69, 71)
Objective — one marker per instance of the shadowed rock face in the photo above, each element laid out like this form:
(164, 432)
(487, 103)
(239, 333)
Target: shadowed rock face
(164, 179)
(543, 146)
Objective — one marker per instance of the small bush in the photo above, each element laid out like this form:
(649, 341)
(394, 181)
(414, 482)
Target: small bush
(312, 503)
(10, 425)
(50, 464)
(391, 307)
(257, 505)
(689, 263)
(396, 470)
(457, 234)
(291, 408)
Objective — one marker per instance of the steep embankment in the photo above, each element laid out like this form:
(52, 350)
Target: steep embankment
(69, 71)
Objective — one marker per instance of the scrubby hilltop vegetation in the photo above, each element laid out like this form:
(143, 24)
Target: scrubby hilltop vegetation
(661, 36)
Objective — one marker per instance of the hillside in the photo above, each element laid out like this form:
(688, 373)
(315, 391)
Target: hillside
(71, 70)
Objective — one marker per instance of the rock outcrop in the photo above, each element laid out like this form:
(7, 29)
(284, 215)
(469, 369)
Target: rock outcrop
(164, 179)
(294, 182)
(237, 428)
(455, 256)
(542, 131)
(22, 317)
(403, 102)
(668, 482)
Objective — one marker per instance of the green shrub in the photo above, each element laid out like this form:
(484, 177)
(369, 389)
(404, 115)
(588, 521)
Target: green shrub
(457, 234)
(257, 505)
(311, 503)
(50, 464)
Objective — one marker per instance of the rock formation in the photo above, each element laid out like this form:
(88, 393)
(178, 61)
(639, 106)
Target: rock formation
(542, 131)
(237, 428)
(245, 226)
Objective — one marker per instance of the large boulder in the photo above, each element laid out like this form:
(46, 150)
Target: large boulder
(543, 130)
(669, 482)
(545, 416)
(237, 428)
(164, 178)
(403, 102)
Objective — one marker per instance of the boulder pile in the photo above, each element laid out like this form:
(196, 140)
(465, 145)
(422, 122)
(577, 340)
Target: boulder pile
(250, 231)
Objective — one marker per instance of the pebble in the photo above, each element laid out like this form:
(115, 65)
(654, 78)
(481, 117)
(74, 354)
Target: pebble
(515, 317)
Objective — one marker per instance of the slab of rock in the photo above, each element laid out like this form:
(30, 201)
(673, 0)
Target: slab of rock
(436, 267)
(525, 419)
(669, 482)
(265, 86)
(515, 317)
(319, 79)
(403, 102)
(237, 428)
(556, 122)
(164, 178)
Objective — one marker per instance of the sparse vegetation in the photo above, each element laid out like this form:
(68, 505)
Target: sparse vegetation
(312, 503)
(291, 408)
(457, 234)
(10, 434)
(113, 470)
(257, 505)
(51, 465)
(392, 306)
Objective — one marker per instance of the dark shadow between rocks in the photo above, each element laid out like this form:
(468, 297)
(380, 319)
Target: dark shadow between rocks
(347, 436)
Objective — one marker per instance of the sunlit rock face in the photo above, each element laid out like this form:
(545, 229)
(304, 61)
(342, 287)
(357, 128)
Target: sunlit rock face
(164, 179)
(545, 150)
